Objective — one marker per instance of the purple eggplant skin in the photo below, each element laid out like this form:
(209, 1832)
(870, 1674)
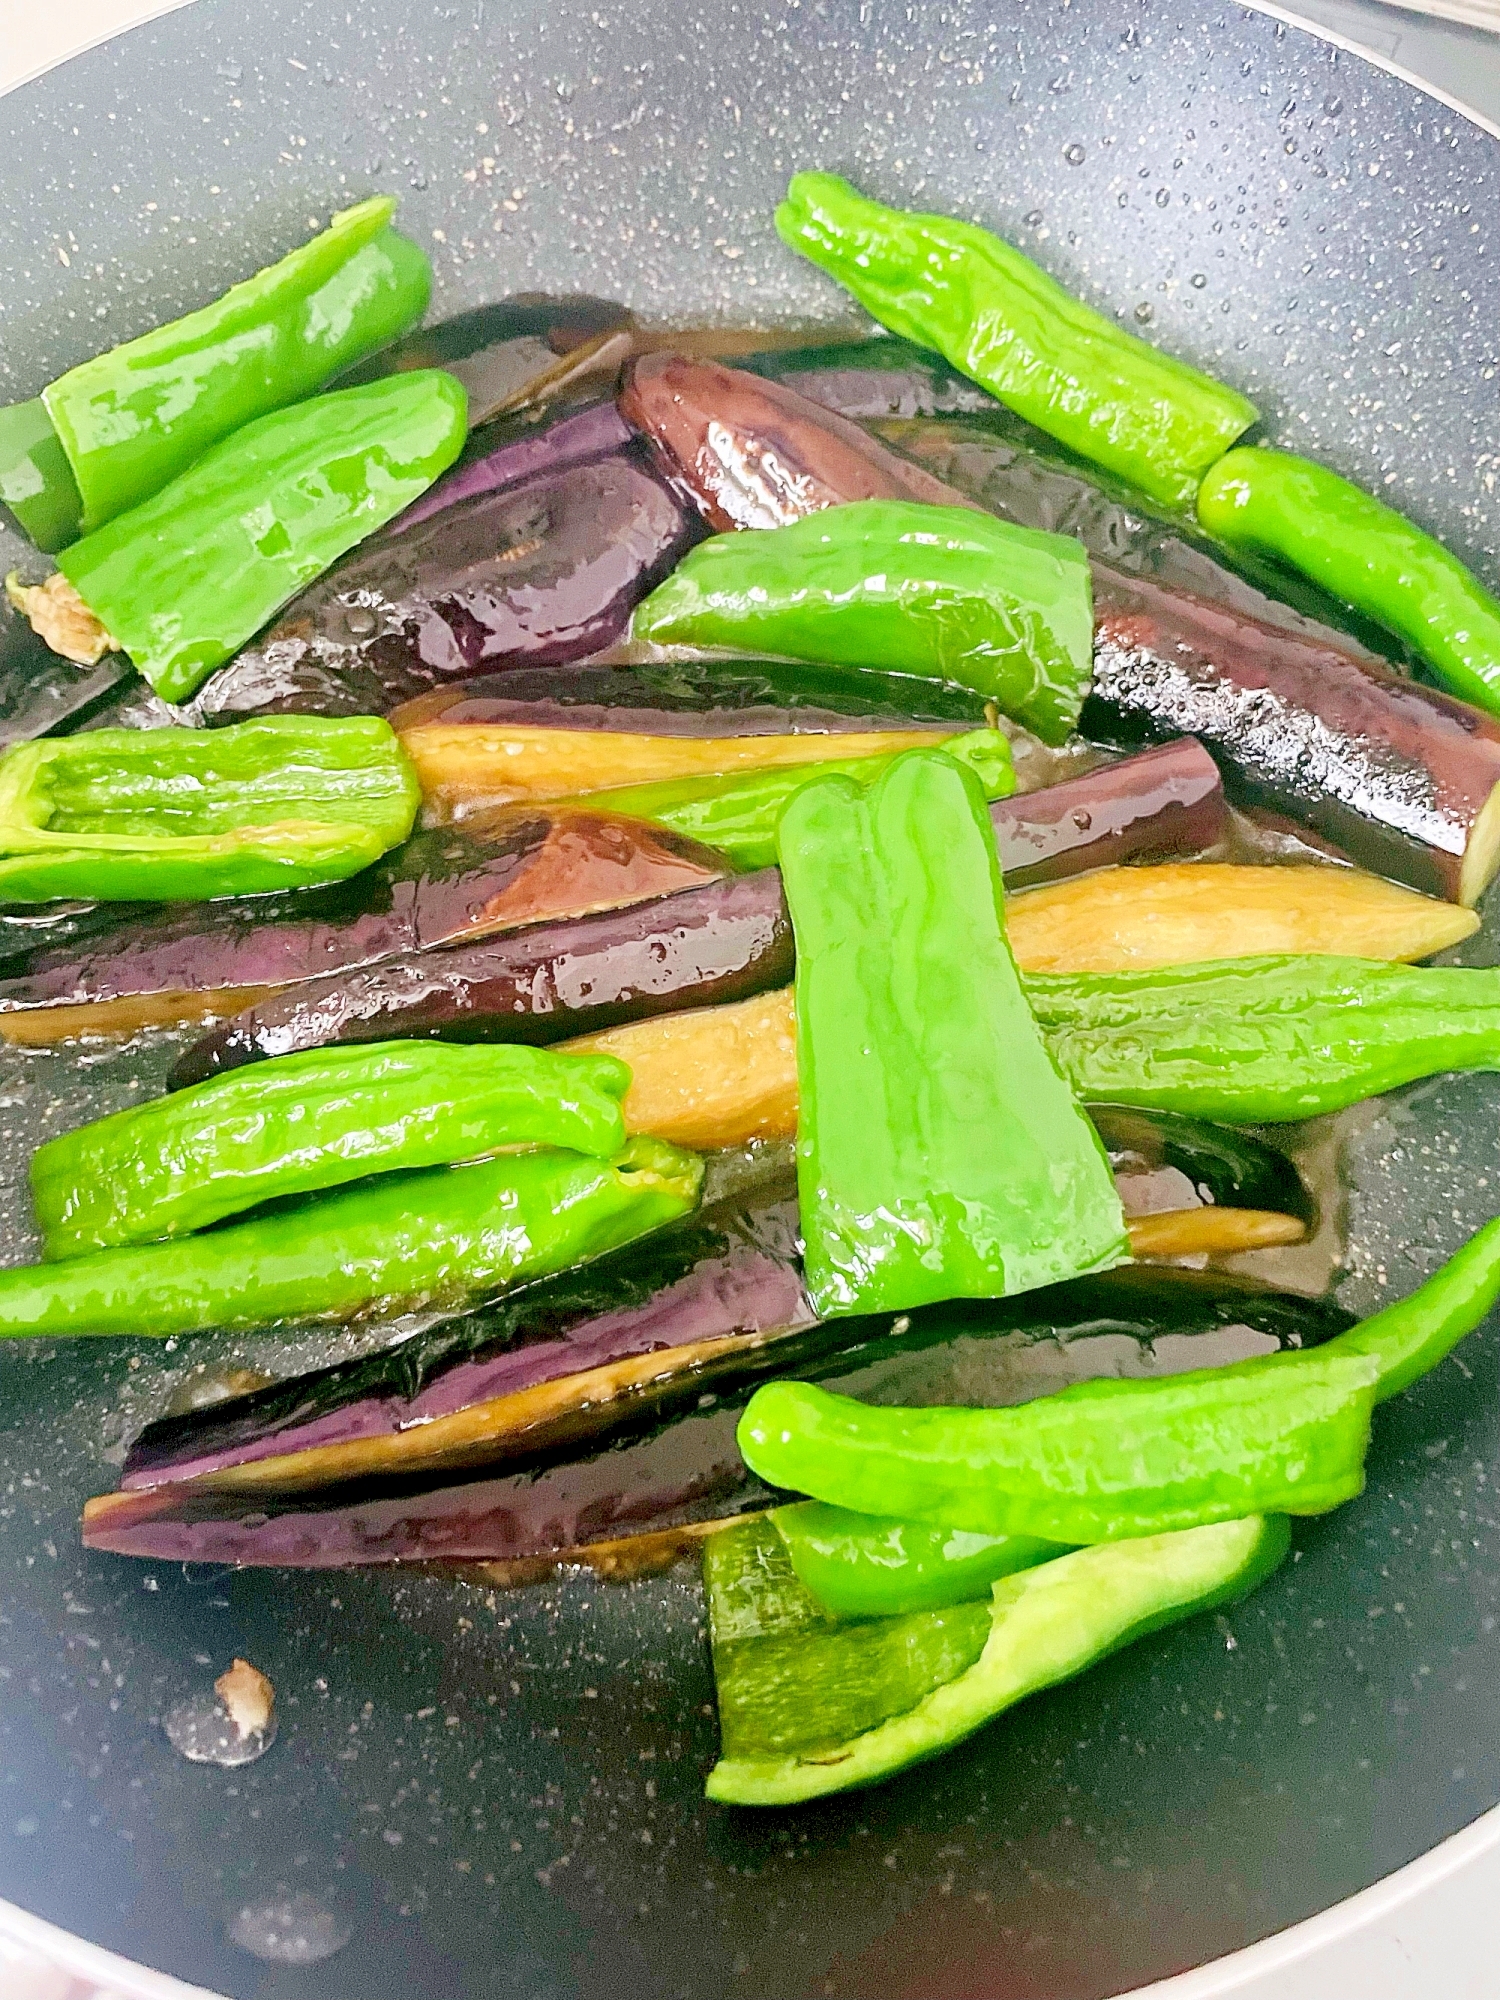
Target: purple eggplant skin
(532, 574)
(687, 1471)
(499, 871)
(576, 439)
(724, 941)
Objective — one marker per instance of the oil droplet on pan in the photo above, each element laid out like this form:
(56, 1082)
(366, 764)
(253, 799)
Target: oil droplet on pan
(289, 1930)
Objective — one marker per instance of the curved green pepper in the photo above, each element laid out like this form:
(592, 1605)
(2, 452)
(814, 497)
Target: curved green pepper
(183, 580)
(310, 1121)
(807, 1707)
(435, 1237)
(898, 585)
(739, 815)
(182, 815)
(873, 1566)
(1364, 552)
(1000, 319)
(110, 433)
(1412, 1336)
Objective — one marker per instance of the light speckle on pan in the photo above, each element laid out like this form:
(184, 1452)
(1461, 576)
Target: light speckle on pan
(490, 1795)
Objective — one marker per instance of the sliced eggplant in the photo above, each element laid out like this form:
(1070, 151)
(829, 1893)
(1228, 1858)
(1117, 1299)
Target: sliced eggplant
(876, 379)
(685, 1473)
(500, 871)
(1165, 1162)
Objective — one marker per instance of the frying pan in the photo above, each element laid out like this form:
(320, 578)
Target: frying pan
(478, 1795)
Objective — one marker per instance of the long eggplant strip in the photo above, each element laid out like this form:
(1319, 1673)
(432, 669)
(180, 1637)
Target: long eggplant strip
(1134, 919)
(498, 873)
(468, 767)
(680, 953)
(1210, 1232)
(687, 1473)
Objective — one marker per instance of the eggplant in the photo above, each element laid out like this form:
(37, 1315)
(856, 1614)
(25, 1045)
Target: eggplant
(1165, 1162)
(536, 572)
(724, 941)
(675, 1477)
(500, 871)
(694, 698)
(875, 379)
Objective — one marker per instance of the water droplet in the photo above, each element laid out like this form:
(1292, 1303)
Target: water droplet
(1332, 106)
(1437, 263)
(1290, 146)
(289, 1930)
(419, 180)
(1198, 280)
(1124, 201)
(1145, 312)
(1074, 154)
(1162, 197)
(1082, 819)
(200, 1729)
(1131, 39)
(1032, 218)
(231, 72)
(1059, 86)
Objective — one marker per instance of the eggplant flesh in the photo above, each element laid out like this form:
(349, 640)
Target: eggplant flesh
(532, 573)
(498, 872)
(725, 941)
(686, 1472)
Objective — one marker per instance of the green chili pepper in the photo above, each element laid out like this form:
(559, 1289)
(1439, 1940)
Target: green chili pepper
(1256, 1040)
(310, 1121)
(1098, 1462)
(939, 1154)
(739, 815)
(1359, 549)
(439, 1236)
(172, 815)
(808, 1706)
(1414, 1335)
(871, 1566)
(1000, 319)
(115, 430)
(941, 592)
(183, 580)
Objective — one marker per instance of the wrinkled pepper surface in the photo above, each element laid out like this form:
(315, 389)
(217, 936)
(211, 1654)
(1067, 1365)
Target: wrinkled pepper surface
(939, 1155)
(179, 815)
(438, 1236)
(181, 581)
(739, 814)
(312, 1121)
(1000, 319)
(111, 432)
(902, 586)
(1364, 552)
(808, 1705)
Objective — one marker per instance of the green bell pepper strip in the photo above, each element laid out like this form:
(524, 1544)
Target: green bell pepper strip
(174, 815)
(740, 815)
(939, 1154)
(310, 1121)
(901, 586)
(183, 580)
(1256, 1040)
(873, 1566)
(1411, 1337)
(1098, 1462)
(126, 423)
(812, 1711)
(437, 1237)
(1000, 319)
(1364, 552)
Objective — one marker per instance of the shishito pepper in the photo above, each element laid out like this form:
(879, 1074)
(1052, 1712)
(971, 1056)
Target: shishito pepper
(809, 1705)
(184, 579)
(182, 815)
(1360, 550)
(739, 813)
(873, 1566)
(1000, 319)
(438, 1236)
(113, 431)
(312, 1121)
(941, 592)
(939, 1155)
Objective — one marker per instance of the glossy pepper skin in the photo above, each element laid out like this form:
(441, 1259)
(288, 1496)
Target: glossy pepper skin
(130, 420)
(437, 1236)
(944, 592)
(875, 1566)
(1000, 319)
(310, 1122)
(169, 815)
(181, 581)
(739, 814)
(1362, 551)
(939, 1154)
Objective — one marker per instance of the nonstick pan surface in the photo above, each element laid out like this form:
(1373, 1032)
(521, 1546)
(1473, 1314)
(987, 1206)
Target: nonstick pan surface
(489, 1796)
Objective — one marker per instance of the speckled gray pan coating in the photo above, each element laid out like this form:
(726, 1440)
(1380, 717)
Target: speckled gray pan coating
(494, 1796)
